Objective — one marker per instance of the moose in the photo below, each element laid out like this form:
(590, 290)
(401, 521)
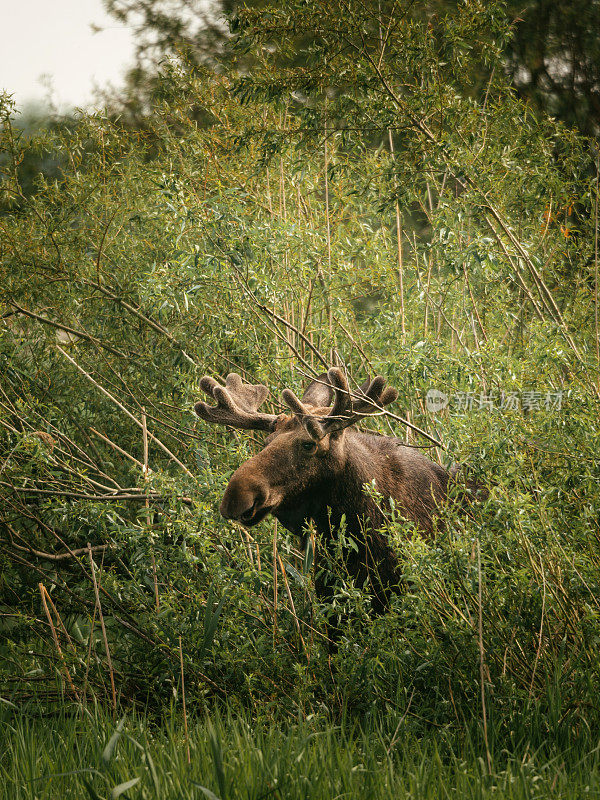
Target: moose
(314, 467)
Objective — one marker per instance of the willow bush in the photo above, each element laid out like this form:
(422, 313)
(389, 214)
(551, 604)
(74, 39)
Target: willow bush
(349, 200)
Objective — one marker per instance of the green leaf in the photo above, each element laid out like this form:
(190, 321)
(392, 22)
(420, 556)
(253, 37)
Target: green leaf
(108, 751)
(207, 792)
(91, 791)
(123, 787)
(217, 754)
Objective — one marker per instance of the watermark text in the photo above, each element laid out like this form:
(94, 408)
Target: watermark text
(525, 400)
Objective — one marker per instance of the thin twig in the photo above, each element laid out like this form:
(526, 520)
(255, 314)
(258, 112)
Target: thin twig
(101, 616)
(44, 594)
(71, 331)
(117, 448)
(125, 411)
(539, 647)
(147, 504)
(274, 582)
(398, 237)
(185, 724)
(116, 496)
(482, 661)
(60, 556)
(596, 324)
(137, 313)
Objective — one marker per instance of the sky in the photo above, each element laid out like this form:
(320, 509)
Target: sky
(55, 38)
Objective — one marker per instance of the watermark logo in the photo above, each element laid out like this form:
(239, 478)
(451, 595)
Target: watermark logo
(436, 400)
(526, 400)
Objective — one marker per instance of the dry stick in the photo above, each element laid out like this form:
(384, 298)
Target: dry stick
(89, 655)
(24, 510)
(313, 349)
(455, 331)
(301, 335)
(355, 343)
(269, 200)
(108, 224)
(257, 555)
(96, 497)
(125, 411)
(281, 196)
(548, 214)
(539, 647)
(185, 725)
(427, 297)
(473, 303)
(402, 718)
(44, 594)
(482, 662)
(544, 292)
(311, 284)
(447, 321)
(101, 616)
(516, 272)
(508, 330)
(50, 556)
(125, 620)
(83, 457)
(117, 448)
(328, 223)
(60, 622)
(293, 321)
(383, 39)
(67, 329)
(293, 327)
(596, 279)
(64, 466)
(288, 337)
(62, 438)
(155, 325)
(276, 330)
(274, 582)
(289, 594)
(398, 238)
(246, 539)
(147, 504)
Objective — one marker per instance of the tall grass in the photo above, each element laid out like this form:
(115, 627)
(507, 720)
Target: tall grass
(88, 754)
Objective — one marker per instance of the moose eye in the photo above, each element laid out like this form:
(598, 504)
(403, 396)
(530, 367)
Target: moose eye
(308, 446)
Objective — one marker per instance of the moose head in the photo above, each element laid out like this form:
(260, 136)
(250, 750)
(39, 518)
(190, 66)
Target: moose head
(307, 452)
(315, 466)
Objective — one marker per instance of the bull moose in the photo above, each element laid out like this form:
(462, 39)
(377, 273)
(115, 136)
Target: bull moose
(314, 468)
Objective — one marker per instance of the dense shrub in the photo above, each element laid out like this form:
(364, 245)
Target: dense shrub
(265, 240)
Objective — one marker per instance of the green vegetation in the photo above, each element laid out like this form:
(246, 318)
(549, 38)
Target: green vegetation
(357, 197)
(88, 755)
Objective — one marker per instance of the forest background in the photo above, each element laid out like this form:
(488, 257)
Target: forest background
(402, 188)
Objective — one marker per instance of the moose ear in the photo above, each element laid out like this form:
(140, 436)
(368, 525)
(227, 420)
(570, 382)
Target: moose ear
(319, 393)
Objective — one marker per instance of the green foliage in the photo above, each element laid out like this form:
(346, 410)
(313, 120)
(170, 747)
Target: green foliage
(264, 239)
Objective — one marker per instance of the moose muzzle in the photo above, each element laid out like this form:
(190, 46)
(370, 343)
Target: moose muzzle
(244, 501)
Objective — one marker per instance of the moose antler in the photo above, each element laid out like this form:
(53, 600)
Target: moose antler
(347, 408)
(237, 404)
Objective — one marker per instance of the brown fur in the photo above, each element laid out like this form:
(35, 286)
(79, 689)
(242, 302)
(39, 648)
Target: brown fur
(323, 486)
(314, 467)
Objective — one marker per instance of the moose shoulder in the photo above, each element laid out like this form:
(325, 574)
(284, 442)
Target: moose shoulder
(314, 467)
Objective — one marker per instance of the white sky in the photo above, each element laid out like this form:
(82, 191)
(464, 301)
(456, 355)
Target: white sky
(55, 38)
